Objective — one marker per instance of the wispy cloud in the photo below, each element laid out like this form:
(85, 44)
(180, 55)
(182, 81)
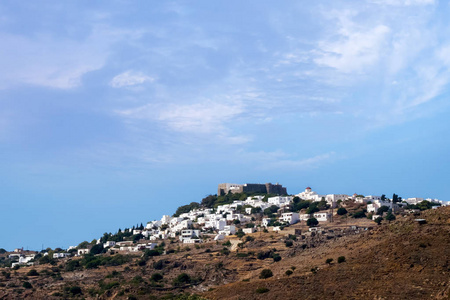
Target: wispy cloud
(130, 78)
(205, 118)
(279, 160)
(56, 62)
(353, 48)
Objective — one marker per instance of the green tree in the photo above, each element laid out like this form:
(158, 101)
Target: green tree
(395, 198)
(83, 245)
(390, 216)
(328, 261)
(382, 209)
(97, 249)
(383, 197)
(359, 214)
(341, 211)
(312, 222)
(378, 220)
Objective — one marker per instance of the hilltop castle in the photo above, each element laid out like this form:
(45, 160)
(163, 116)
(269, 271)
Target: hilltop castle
(268, 188)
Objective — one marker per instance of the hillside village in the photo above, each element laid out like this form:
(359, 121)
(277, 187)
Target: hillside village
(240, 214)
(244, 241)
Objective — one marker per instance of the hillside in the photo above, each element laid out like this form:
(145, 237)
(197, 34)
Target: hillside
(401, 260)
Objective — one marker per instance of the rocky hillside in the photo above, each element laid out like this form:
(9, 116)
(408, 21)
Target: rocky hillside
(401, 260)
(398, 260)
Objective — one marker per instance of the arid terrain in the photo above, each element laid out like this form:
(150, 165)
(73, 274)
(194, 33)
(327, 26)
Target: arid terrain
(398, 260)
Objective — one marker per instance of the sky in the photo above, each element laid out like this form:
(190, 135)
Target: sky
(114, 113)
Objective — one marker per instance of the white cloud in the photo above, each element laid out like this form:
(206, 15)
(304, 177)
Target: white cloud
(55, 62)
(130, 78)
(202, 119)
(354, 50)
(282, 161)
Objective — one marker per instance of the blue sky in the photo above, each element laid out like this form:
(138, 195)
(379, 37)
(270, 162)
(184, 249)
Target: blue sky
(115, 112)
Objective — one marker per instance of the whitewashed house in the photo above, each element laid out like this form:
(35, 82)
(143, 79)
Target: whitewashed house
(228, 230)
(83, 251)
(249, 230)
(108, 244)
(265, 222)
(189, 234)
(279, 200)
(321, 216)
(308, 194)
(61, 255)
(290, 218)
(376, 204)
(165, 219)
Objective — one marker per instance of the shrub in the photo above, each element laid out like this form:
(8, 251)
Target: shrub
(341, 259)
(75, 290)
(249, 238)
(142, 262)
(328, 261)
(159, 265)
(341, 211)
(109, 285)
(181, 279)
(262, 290)
(266, 273)
(289, 272)
(225, 251)
(276, 257)
(289, 243)
(263, 255)
(72, 265)
(378, 220)
(157, 277)
(240, 233)
(359, 214)
(312, 222)
(390, 216)
(32, 272)
(149, 253)
(227, 243)
(27, 285)
(137, 280)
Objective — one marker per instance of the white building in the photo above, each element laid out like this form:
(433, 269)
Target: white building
(279, 200)
(165, 219)
(83, 251)
(308, 194)
(413, 201)
(265, 222)
(109, 244)
(249, 230)
(321, 216)
(228, 230)
(290, 218)
(61, 255)
(376, 204)
(333, 198)
(189, 234)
